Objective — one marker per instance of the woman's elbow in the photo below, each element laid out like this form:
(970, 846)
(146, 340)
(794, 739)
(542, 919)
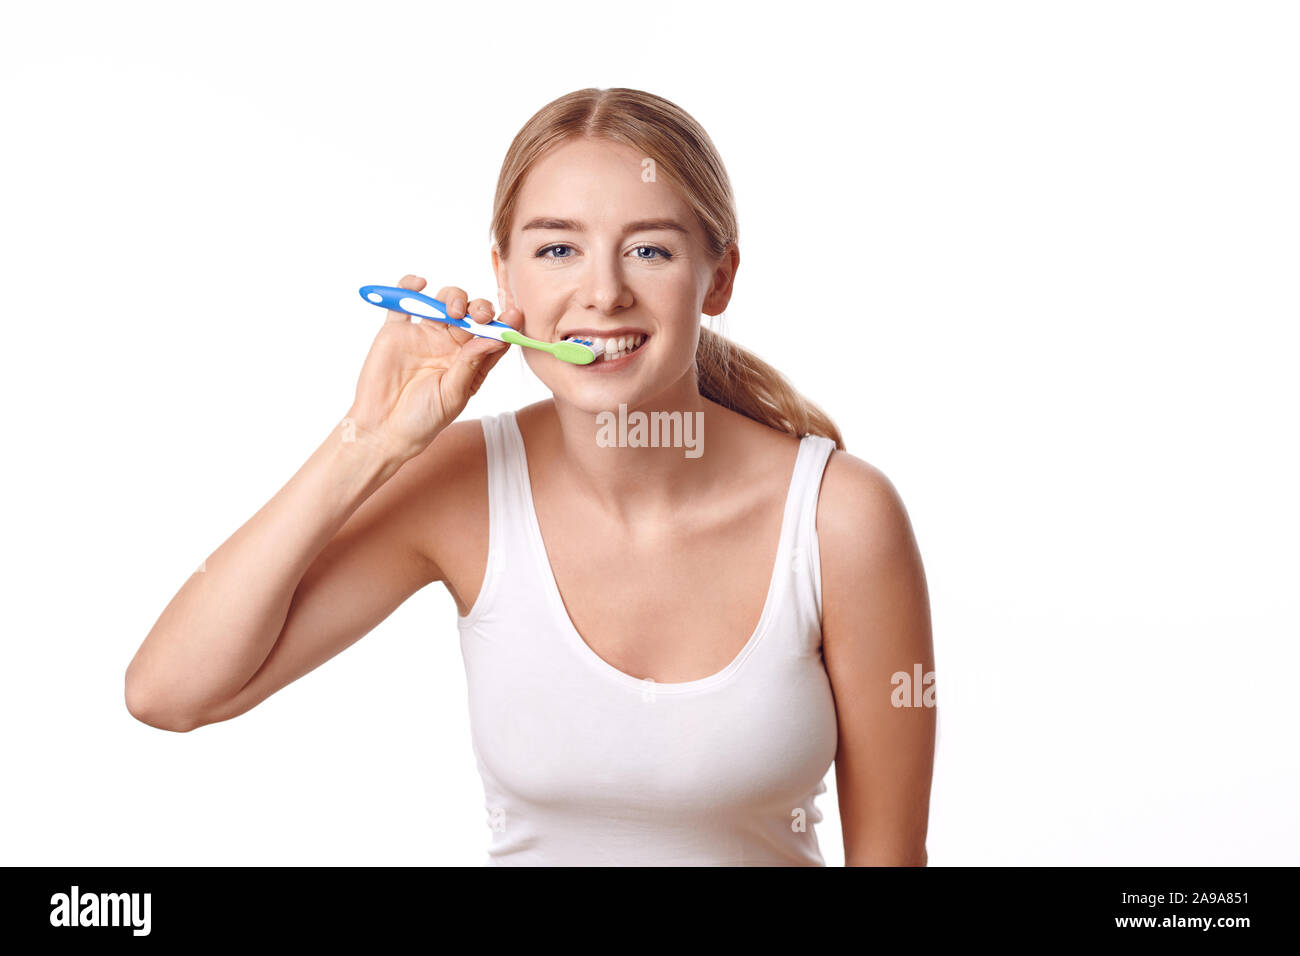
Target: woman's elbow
(144, 708)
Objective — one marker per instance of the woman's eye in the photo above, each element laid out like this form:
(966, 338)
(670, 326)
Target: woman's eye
(541, 253)
(663, 253)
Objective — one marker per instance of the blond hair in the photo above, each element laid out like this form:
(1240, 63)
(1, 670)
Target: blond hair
(681, 150)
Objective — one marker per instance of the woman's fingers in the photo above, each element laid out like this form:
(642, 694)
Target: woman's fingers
(456, 300)
(481, 310)
(478, 357)
(460, 306)
(415, 284)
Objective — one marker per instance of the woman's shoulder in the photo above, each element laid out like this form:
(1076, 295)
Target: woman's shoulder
(861, 519)
(854, 494)
(446, 504)
(458, 450)
(453, 468)
(461, 447)
(446, 483)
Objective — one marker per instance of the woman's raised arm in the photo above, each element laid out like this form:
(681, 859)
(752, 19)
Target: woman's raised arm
(337, 549)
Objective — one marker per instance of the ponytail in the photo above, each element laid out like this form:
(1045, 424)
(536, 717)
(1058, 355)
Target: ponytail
(737, 379)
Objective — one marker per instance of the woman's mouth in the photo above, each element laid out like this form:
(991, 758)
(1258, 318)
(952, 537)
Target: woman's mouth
(618, 350)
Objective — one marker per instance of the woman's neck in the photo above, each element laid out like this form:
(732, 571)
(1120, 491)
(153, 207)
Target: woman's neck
(657, 457)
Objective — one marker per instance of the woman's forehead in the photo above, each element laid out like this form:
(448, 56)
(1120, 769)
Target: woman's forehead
(599, 186)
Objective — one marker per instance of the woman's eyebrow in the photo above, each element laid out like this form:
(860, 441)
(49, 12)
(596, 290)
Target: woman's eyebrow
(572, 225)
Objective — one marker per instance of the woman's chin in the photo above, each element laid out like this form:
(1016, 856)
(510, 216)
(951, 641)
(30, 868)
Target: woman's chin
(596, 398)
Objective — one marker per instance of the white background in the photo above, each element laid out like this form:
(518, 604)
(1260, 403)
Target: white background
(1057, 243)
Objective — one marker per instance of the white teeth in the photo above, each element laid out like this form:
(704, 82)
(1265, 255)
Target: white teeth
(615, 347)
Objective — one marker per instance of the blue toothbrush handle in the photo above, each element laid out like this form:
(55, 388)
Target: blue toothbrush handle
(426, 307)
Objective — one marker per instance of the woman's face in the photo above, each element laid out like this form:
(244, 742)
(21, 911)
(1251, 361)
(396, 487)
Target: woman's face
(600, 246)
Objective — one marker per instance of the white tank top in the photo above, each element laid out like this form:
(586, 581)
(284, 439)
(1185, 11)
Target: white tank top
(585, 765)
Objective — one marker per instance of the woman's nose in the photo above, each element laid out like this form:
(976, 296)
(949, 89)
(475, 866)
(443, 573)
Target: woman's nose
(605, 288)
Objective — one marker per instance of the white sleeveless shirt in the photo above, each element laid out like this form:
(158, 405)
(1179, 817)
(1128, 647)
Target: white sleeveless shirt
(585, 765)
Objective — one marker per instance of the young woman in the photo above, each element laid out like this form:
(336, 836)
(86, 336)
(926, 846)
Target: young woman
(665, 650)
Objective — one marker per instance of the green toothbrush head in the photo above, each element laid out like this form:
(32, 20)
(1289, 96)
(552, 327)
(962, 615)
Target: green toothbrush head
(575, 351)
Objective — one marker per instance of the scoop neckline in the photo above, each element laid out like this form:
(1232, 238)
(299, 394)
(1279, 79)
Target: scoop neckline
(584, 650)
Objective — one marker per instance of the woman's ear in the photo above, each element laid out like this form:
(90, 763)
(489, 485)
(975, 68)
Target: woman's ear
(723, 280)
(504, 299)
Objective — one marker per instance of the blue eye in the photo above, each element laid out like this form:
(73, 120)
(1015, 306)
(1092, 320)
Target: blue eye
(541, 253)
(664, 254)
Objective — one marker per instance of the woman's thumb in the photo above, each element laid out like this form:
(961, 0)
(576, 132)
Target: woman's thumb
(477, 357)
(470, 366)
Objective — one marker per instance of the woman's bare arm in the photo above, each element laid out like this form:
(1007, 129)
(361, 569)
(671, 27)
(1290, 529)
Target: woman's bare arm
(378, 558)
(876, 624)
(338, 548)
(327, 552)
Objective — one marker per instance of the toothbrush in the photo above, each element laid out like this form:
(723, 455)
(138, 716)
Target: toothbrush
(576, 351)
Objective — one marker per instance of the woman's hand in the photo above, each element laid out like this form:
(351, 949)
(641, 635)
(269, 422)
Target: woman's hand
(420, 374)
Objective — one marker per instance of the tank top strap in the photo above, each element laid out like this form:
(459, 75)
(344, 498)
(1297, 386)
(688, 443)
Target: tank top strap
(814, 453)
(507, 489)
